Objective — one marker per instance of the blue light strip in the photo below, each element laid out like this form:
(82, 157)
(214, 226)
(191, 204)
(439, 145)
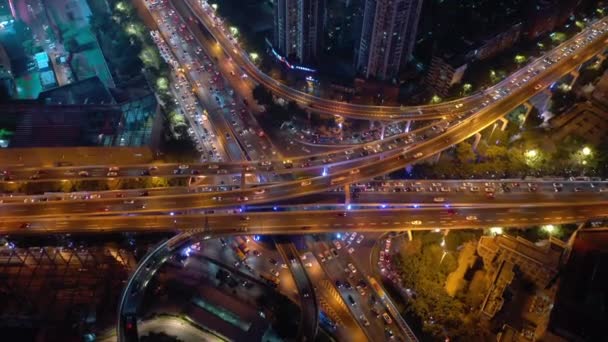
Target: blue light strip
(290, 66)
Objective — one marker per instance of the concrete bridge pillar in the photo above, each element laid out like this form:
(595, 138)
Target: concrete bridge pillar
(505, 122)
(243, 179)
(347, 194)
(529, 108)
(477, 139)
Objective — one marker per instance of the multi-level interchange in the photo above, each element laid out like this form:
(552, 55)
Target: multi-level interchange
(250, 193)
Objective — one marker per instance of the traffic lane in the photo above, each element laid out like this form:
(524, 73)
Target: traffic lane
(234, 151)
(332, 303)
(203, 200)
(365, 296)
(468, 197)
(218, 95)
(363, 250)
(214, 249)
(307, 328)
(217, 121)
(335, 270)
(312, 222)
(361, 193)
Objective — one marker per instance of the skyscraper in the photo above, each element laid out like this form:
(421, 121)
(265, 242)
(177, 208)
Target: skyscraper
(387, 37)
(298, 28)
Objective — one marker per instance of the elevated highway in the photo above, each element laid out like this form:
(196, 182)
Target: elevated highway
(333, 218)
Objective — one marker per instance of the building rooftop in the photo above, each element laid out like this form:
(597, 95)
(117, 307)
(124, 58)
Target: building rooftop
(547, 254)
(85, 92)
(42, 60)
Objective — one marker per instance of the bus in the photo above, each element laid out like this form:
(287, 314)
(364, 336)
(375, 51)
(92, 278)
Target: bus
(242, 244)
(239, 254)
(377, 288)
(270, 279)
(326, 321)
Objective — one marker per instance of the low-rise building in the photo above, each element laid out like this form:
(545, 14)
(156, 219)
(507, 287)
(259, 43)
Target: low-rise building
(445, 71)
(538, 263)
(84, 113)
(506, 257)
(584, 120)
(496, 43)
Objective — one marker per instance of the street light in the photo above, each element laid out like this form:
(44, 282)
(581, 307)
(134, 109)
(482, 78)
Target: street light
(496, 230)
(531, 154)
(214, 6)
(549, 228)
(586, 151)
(254, 56)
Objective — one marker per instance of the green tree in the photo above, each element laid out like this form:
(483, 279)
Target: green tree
(464, 153)
(424, 267)
(495, 152)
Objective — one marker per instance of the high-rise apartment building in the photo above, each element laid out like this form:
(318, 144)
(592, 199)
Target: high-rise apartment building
(387, 37)
(298, 28)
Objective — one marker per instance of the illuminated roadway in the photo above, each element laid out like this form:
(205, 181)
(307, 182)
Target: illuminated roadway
(307, 329)
(204, 13)
(375, 165)
(76, 216)
(395, 217)
(354, 170)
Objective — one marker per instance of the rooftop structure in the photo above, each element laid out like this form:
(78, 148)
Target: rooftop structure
(84, 113)
(538, 263)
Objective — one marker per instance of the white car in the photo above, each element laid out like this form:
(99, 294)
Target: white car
(322, 257)
(337, 244)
